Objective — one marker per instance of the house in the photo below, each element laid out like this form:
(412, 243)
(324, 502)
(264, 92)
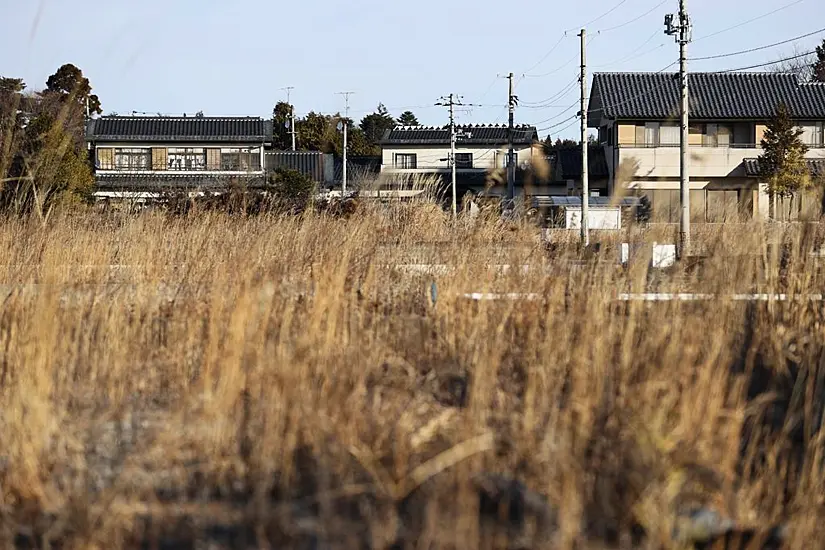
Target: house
(481, 150)
(637, 117)
(567, 171)
(139, 154)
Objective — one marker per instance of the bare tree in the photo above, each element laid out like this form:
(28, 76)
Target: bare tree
(802, 66)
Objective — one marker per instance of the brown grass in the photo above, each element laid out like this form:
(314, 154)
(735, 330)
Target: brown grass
(272, 382)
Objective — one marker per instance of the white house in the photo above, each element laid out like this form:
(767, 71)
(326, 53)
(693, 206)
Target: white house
(637, 116)
(481, 151)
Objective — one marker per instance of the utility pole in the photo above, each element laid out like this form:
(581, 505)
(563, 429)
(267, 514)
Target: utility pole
(291, 115)
(511, 161)
(682, 32)
(451, 101)
(345, 124)
(585, 221)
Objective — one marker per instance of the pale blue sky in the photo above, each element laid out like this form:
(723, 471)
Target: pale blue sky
(232, 58)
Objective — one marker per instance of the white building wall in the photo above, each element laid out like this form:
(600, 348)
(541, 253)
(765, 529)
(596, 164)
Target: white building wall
(434, 159)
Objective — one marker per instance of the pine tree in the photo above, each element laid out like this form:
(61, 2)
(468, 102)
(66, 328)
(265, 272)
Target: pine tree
(407, 118)
(819, 64)
(782, 164)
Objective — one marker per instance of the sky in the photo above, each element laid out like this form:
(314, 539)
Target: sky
(235, 58)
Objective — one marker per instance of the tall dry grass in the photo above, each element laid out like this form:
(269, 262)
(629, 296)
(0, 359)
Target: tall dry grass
(274, 382)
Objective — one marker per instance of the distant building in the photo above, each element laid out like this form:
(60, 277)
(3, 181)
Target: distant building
(136, 154)
(480, 154)
(637, 117)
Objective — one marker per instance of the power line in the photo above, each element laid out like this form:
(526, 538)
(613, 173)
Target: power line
(563, 129)
(551, 50)
(742, 52)
(742, 24)
(767, 64)
(554, 71)
(545, 103)
(648, 12)
(599, 18)
(631, 55)
(559, 115)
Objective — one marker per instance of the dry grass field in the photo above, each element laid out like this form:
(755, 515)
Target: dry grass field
(212, 381)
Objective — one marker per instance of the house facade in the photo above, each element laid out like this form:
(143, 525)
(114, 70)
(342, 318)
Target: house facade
(481, 151)
(136, 154)
(637, 117)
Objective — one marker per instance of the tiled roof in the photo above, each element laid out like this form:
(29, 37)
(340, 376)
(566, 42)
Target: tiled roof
(159, 182)
(190, 129)
(816, 167)
(570, 163)
(492, 135)
(712, 96)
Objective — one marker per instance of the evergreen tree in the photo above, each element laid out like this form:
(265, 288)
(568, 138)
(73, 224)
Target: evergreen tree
(819, 64)
(782, 164)
(281, 121)
(407, 118)
(376, 124)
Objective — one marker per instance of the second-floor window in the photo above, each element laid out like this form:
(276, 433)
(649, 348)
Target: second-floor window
(132, 159)
(463, 160)
(187, 159)
(405, 161)
(240, 160)
(813, 134)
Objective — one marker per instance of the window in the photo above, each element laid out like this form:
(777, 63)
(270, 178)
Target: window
(651, 133)
(718, 135)
(813, 134)
(464, 160)
(669, 134)
(405, 161)
(240, 160)
(187, 159)
(133, 159)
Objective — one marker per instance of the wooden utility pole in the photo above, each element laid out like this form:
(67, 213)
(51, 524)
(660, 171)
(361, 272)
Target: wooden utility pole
(585, 221)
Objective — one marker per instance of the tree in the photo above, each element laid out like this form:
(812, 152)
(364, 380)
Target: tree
(782, 164)
(550, 146)
(281, 120)
(70, 83)
(407, 118)
(315, 131)
(50, 170)
(800, 65)
(11, 121)
(292, 189)
(819, 64)
(376, 124)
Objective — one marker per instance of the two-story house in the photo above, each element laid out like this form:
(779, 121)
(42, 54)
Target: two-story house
(637, 117)
(480, 151)
(135, 154)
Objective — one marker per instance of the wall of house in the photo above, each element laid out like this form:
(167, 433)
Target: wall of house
(434, 159)
(158, 158)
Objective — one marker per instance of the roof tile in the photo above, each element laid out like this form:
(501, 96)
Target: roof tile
(712, 96)
(228, 129)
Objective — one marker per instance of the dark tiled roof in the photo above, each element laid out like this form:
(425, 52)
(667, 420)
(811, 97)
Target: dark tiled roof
(570, 163)
(143, 182)
(712, 96)
(816, 167)
(492, 135)
(190, 129)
